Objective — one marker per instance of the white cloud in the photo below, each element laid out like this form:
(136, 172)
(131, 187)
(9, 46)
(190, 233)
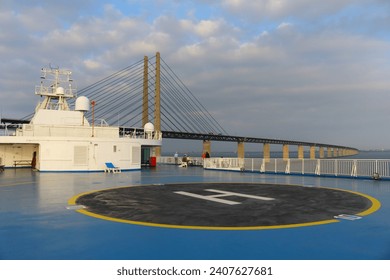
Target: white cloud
(257, 80)
(206, 28)
(92, 65)
(261, 9)
(284, 25)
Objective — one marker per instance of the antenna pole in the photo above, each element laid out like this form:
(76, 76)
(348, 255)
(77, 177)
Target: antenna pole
(93, 117)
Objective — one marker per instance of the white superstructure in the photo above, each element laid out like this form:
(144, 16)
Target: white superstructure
(61, 139)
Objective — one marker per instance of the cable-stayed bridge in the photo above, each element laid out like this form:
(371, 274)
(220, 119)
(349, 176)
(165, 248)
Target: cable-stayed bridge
(129, 98)
(150, 91)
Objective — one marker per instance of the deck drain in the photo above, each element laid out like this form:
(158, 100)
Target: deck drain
(75, 207)
(348, 217)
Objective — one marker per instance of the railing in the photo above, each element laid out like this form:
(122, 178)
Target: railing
(139, 133)
(196, 161)
(224, 163)
(155, 135)
(9, 129)
(46, 90)
(354, 168)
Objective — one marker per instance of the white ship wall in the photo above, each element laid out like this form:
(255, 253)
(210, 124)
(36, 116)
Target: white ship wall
(68, 131)
(88, 155)
(72, 154)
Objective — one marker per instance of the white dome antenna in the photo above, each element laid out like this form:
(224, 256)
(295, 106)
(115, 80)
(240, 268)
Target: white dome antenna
(82, 104)
(60, 91)
(148, 130)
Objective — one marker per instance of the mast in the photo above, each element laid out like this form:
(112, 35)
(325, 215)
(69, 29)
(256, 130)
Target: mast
(56, 88)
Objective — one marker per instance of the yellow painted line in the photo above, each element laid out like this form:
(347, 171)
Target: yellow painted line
(374, 207)
(72, 201)
(86, 212)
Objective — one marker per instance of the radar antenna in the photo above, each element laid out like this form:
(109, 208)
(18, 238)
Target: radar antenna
(58, 91)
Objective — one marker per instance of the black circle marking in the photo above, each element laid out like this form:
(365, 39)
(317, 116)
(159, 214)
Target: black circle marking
(161, 205)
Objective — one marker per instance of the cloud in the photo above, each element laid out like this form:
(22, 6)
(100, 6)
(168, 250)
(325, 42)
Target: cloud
(277, 9)
(284, 25)
(285, 69)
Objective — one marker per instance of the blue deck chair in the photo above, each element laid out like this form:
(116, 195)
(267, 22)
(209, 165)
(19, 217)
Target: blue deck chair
(111, 168)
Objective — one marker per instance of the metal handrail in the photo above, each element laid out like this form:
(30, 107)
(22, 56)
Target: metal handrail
(354, 168)
(9, 129)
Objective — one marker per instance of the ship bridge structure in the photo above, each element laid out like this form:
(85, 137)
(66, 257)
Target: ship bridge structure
(150, 91)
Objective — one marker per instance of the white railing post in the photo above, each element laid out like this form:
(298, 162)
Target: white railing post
(354, 169)
(262, 167)
(287, 171)
(318, 167)
(376, 166)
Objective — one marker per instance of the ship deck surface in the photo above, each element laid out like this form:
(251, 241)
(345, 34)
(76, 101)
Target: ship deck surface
(37, 222)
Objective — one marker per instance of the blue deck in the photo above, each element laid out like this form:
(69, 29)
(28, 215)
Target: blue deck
(36, 224)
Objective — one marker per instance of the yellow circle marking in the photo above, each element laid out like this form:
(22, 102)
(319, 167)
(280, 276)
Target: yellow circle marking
(374, 207)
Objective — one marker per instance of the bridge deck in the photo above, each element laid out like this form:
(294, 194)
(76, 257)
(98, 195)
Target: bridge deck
(230, 138)
(13, 123)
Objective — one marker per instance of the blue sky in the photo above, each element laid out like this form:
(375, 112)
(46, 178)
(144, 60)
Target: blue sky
(302, 70)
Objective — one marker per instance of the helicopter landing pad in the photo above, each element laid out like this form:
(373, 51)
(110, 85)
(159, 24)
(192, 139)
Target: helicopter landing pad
(232, 206)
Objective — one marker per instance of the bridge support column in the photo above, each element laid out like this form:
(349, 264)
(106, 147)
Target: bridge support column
(240, 149)
(286, 152)
(352, 152)
(301, 153)
(312, 152)
(322, 152)
(207, 146)
(266, 151)
(329, 152)
(157, 151)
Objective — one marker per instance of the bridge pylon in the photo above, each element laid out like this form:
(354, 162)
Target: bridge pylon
(240, 149)
(157, 100)
(207, 146)
(145, 98)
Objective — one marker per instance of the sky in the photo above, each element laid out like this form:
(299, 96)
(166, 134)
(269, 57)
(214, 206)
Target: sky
(308, 70)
